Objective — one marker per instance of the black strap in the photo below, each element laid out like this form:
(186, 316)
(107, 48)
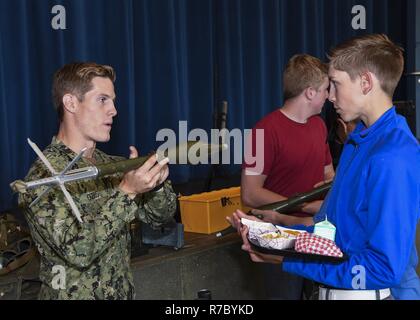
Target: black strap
(378, 295)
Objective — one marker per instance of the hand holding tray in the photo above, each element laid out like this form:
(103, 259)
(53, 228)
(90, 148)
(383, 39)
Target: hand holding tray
(276, 240)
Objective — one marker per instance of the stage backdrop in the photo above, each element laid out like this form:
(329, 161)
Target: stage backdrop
(175, 60)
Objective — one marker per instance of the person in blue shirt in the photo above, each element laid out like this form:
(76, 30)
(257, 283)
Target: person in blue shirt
(374, 202)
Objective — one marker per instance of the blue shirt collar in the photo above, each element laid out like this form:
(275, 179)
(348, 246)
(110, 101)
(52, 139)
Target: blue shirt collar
(362, 134)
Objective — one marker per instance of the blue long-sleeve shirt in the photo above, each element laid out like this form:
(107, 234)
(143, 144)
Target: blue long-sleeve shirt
(375, 205)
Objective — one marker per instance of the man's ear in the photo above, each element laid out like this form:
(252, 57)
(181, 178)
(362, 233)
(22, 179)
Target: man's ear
(366, 82)
(69, 102)
(310, 93)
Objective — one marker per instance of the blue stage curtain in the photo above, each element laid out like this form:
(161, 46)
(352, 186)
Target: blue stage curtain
(175, 60)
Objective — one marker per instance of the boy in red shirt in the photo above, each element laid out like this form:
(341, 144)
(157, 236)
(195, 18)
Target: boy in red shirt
(296, 155)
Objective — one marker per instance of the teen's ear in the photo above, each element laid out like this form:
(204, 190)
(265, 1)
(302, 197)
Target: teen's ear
(68, 102)
(366, 82)
(310, 93)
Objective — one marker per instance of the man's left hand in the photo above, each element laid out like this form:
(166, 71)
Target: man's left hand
(164, 173)
(312, 207)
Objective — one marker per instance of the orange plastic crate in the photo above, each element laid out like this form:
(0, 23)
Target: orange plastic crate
(206, 212)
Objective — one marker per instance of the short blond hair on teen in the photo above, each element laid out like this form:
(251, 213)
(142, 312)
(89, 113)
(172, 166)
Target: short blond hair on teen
(301, 72)
(375, 53)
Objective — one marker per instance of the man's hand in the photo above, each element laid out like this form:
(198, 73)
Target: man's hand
(321, 183)
(235, 219)
(146, 177)
(268, 216)
(312, 207)
(164, 173)
(275, 217)
(256, 256)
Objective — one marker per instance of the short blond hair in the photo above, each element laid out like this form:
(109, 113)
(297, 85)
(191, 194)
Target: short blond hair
(303, 71)
(375, 53)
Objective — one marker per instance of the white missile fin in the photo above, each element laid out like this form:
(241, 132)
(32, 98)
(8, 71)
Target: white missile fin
(70, 165)
(72, 204)
(40, 196)
(41, 156)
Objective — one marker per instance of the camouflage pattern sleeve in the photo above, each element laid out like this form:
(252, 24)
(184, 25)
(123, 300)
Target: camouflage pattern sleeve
(79, 244)
(157, 207)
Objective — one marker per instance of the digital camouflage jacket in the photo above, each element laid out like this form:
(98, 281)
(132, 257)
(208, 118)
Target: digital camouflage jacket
(89, 260)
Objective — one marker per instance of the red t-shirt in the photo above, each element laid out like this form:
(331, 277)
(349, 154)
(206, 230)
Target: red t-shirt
(295, 154)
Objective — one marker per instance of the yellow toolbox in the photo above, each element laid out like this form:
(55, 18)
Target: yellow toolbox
(206, 212)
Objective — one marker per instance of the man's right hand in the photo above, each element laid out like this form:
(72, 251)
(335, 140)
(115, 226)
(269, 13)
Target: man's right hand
(269, 216)
(274, 217)
(235, 219)
(257, 215)
(144, 178)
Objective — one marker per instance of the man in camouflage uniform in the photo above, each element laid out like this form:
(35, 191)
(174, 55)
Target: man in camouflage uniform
(94, 255)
